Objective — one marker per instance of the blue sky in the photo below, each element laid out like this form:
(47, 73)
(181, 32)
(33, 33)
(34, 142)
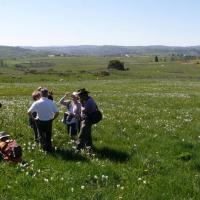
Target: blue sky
(99, 22)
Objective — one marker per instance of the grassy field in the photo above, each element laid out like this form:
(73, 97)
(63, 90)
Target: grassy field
(146, 147)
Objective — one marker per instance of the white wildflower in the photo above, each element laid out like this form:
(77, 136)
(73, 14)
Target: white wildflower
(46, 180)
(82, 187)
(118, 185)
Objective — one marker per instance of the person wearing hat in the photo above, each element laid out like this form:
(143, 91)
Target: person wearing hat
(46, 111)
(9, 149)
(88, 106)
(72, 116)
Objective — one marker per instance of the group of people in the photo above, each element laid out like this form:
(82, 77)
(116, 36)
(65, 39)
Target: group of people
(79, 107)
(81, 113)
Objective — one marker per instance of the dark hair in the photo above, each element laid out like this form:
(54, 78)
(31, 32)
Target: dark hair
(44, 92)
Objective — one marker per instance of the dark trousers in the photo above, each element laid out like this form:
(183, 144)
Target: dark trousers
(45, 133)
(85, 135)
(72, 130)
(33, 125)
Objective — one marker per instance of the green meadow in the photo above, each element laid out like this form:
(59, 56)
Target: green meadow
(146, 147)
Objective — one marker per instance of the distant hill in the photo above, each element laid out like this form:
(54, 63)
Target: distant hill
(118, 50)
(12, 52)
(93, 50)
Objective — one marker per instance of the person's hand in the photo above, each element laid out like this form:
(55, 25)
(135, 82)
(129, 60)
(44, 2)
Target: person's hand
(51, 93)
(67, 93)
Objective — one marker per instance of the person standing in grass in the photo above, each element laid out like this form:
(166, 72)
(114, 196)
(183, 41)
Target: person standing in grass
(88, 106)
(47, 111)
(32, 123)
(72, 116)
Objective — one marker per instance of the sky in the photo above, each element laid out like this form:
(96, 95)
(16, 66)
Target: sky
(99, 22)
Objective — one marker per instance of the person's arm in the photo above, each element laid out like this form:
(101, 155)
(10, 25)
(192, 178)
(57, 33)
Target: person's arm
(30, 115)
(55, 115)
(62, 100)
(31, 110)
(55, 110)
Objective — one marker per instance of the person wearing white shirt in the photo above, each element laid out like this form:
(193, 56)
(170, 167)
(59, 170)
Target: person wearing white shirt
(47, 111)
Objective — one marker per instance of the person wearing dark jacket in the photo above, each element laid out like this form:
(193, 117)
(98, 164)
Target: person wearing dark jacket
(88, 106)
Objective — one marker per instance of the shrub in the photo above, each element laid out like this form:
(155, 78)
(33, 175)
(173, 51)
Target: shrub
(185, 156)
(116, 64)
(99, 73)
(156, 58)
(103, 73)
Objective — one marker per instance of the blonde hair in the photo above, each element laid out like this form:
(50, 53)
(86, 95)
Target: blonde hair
(36, 95)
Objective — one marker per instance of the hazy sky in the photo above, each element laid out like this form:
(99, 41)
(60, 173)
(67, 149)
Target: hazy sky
(100, 22)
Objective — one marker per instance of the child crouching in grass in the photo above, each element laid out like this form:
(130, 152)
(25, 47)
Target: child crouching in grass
(9, 149)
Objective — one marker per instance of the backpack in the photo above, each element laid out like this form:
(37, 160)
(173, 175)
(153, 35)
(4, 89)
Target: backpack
(13, 150)
(95, 116)
(67, 117)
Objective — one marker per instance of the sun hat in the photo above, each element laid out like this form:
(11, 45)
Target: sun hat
(75, 94)
(3, 134)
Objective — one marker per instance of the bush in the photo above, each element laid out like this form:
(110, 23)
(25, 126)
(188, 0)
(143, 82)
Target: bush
(185, 156)
(156, 59)
(19, 66)
(116, 64)
(103, 73)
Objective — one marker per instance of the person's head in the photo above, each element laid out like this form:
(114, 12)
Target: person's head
(39, 88)
(83, 94)
(50, 95)
(4, 136)
(36, 95)
(44, 92)
(0, 105)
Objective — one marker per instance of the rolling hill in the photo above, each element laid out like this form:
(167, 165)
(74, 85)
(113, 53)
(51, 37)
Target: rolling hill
(93, 50)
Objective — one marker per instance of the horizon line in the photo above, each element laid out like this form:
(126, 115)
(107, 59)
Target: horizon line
(115, 45)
